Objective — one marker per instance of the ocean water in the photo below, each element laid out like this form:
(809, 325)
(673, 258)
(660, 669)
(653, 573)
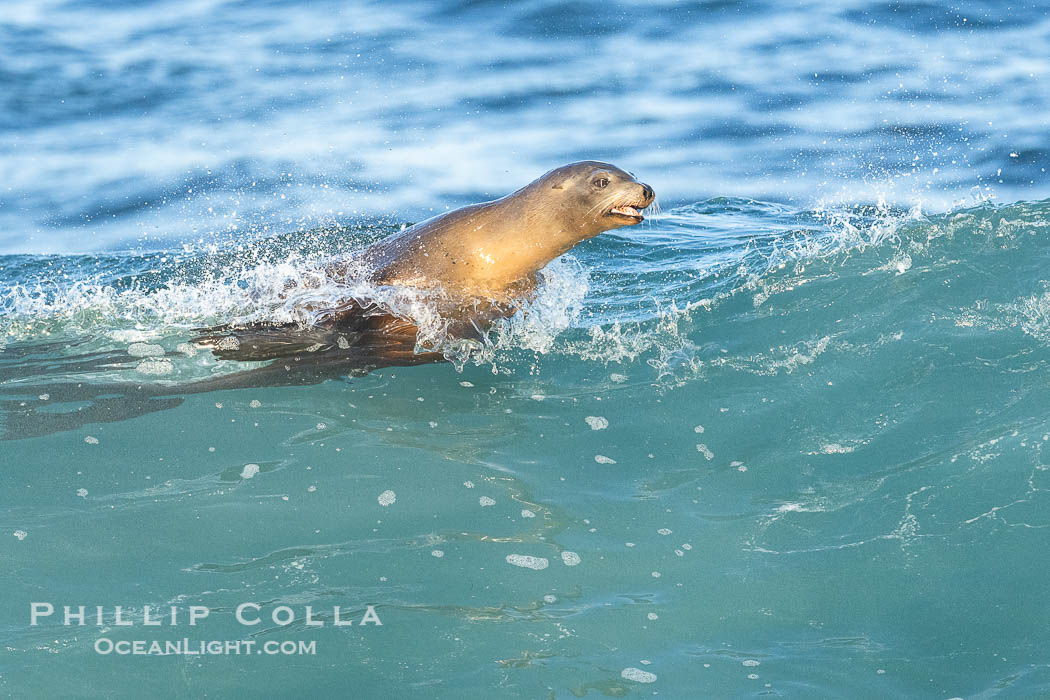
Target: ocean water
(783, 439)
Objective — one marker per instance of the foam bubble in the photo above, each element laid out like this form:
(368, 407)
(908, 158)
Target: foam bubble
(570, 558)
(228, 343)
(387, 498)
(158, 366)
(527, 562)
(637, 675)
(597, 422)
(834, 448)
(249, 471)
(145, 350)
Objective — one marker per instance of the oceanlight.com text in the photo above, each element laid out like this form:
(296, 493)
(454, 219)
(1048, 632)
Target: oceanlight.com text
(188, 647)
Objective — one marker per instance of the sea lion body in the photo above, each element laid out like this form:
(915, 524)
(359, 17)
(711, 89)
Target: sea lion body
(479, 261)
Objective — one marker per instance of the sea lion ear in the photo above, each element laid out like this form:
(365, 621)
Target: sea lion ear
(559, 183)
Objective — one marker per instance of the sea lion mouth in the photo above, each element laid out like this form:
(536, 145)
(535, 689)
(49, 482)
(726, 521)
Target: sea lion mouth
(628, 211)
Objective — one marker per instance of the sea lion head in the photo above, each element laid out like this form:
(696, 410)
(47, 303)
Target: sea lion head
(592, 196)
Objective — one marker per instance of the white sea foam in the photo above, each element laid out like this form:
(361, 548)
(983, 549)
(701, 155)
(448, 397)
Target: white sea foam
(528, 562)
(597, 422)
(156, 366)
(145, 350)
(638, 675)
(292, 290)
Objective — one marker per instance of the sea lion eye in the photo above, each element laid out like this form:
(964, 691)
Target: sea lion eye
(601, 182)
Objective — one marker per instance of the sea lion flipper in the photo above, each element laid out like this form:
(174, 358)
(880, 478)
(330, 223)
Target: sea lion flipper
(260, 342)
(352, 329)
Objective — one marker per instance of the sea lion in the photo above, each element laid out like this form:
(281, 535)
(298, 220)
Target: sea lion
(481, 259)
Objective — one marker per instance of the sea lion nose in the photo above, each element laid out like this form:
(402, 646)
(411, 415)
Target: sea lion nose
(648, 192)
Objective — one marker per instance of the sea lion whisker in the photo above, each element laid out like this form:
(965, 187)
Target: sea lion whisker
(602, 205)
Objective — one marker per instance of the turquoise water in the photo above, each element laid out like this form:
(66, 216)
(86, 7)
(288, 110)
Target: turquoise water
(783, 439)
(796, 453)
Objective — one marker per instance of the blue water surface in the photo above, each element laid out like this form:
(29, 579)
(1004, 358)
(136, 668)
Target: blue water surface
(128, 122)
